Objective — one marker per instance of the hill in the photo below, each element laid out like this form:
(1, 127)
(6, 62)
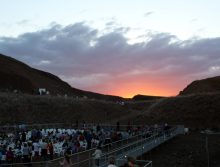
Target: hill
(144, 97)
(52, 109)
(196, 111)
(203, 86)
(18, 76)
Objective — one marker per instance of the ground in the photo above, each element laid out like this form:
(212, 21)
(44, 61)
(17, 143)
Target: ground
(187, 151)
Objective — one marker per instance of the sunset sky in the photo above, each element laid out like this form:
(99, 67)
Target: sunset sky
(117, 47)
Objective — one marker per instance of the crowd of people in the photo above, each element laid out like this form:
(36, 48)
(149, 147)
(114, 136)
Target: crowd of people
(36, 145)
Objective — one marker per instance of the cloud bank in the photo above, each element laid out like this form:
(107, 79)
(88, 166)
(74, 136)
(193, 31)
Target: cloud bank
(104, 61)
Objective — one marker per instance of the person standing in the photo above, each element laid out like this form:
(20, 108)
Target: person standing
(112, 162)
(51, 150)
(1, 153)
(97, 155)
(9, 156)
(36, 148)
(43, 146)
(23, 137)
(66, 161)
(26, 154)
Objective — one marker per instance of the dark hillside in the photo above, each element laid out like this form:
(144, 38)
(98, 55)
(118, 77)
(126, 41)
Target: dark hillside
(197, 111)
(20, 108)
(203, 86)
(144, 97)
(16, 75)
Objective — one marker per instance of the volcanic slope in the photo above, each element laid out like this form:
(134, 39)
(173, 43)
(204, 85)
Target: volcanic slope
(16, 75)
(203, 86)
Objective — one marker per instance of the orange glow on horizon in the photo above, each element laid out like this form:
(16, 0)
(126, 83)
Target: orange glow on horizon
(129, 92)
(154, 85)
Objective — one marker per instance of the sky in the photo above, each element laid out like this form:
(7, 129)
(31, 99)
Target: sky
(117, 47)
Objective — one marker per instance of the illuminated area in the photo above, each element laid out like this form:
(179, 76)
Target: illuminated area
(130, 88)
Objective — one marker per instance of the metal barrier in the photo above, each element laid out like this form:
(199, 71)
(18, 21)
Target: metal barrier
(137, 148)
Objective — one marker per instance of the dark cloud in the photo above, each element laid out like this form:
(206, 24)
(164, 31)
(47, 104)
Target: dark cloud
(148, 13)
(91, 60)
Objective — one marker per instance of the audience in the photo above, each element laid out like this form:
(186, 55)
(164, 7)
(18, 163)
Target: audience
(50, 143)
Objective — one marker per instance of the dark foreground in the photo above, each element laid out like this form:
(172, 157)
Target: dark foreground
(187, 151)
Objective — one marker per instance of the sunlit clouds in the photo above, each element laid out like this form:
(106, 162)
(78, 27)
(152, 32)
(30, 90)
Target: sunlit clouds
(108, 62)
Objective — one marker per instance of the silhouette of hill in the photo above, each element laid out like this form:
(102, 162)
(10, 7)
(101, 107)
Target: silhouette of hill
(144, 97)
(16, 75)
(203, 86)
(196, 111)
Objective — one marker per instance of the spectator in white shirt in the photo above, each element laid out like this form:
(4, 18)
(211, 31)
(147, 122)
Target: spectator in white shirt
(97, 155)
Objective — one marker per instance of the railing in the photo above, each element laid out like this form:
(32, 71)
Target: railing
(137, 148)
